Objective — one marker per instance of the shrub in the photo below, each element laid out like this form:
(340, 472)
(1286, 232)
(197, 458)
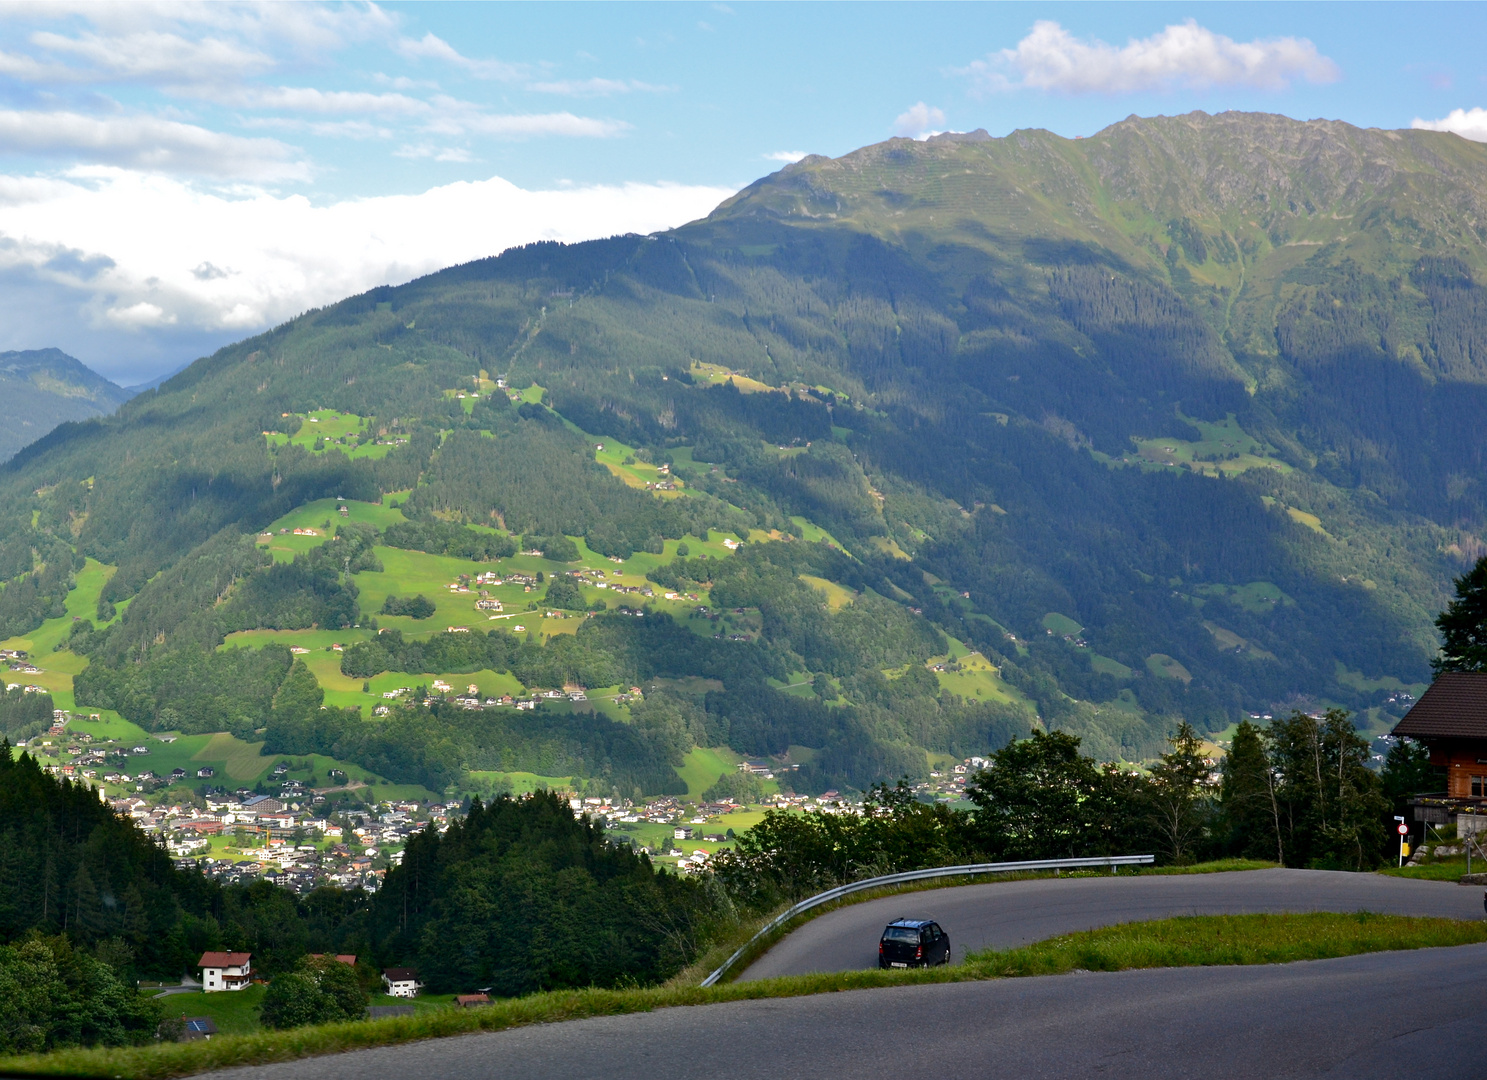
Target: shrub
(54, 995)
(415, 607)
(320, 990)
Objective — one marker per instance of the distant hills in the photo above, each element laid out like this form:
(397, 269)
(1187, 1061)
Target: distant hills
(1185, 419)
(41, 388)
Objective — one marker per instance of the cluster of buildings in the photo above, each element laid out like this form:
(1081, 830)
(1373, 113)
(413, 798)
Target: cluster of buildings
(949, 785)
(243, 837)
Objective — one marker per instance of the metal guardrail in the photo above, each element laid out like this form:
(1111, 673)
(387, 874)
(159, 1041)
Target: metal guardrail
(925, 875)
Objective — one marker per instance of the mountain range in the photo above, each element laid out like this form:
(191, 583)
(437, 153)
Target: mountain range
(41, 388)
(1186, 419)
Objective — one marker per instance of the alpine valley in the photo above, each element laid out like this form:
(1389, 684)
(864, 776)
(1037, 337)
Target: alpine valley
(891, 458)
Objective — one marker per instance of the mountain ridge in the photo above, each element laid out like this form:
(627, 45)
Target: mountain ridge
(47, 387)
(1153, 459)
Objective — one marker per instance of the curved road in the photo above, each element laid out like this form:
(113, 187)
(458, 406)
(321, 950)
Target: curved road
(1003, 915)
(1376, 1017)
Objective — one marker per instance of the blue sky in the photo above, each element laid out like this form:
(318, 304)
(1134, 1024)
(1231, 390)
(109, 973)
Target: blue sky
(175, 176)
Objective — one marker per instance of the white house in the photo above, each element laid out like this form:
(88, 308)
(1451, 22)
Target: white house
(401, 982)
(225, 970)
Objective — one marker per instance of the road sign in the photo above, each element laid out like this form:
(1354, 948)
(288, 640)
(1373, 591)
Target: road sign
(1402, 829)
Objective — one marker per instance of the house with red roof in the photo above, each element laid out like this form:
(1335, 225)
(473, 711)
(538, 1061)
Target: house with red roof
(225, 970)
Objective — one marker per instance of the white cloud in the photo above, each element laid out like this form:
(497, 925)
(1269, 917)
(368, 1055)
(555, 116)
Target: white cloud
(595, 87)
(309, 99)
(143, 313)
(241, 263)
(919, 120)
(146, 142)
(434, 153)
(431, 47)
(787, 156)
(458, 118)
(1186, 54)
(1468, 123)
(154, 56)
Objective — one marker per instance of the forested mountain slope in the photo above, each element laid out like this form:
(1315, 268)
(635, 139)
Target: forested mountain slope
(1180, 420)
(41, 388)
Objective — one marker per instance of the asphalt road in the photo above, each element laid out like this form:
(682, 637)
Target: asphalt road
(1003, 915)
(1380, 1017)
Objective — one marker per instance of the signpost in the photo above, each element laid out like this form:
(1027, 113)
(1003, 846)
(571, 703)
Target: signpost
(1403, 830)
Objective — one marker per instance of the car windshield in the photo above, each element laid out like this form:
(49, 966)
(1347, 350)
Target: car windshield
(907, 934)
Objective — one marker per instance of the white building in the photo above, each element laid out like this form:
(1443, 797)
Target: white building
(401, 982)
(225, 970)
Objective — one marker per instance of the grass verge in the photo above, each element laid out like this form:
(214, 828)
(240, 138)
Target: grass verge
(1207, 940)
(1448, 869)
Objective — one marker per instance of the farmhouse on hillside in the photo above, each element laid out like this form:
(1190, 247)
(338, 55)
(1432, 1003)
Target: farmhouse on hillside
(401, 982)
(225, 971)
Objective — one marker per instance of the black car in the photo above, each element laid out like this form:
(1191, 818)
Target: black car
(910, 943)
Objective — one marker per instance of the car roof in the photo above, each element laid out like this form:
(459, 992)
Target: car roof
(916, 923)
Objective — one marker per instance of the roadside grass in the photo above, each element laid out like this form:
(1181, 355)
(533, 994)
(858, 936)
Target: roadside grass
(1449, 869)
(1216, 940)
(1182, 942)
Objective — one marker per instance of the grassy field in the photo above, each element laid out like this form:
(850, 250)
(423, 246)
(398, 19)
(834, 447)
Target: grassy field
(1105, 665)
(1222, 449)
(1061, 625)
(523, 783)
(1229, 641)
(837, 596)
(1255, 598)
(322, 515)
(703, 766)
(345, 432)
(1165, 667)
(977, 679)
(59, 668)
(1182, 942)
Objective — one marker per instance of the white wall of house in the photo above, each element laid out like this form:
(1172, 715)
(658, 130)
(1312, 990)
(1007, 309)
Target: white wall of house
(229, 978)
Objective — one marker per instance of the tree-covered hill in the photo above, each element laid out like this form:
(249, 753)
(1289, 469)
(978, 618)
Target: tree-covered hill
(45, 387)
(1180, 420)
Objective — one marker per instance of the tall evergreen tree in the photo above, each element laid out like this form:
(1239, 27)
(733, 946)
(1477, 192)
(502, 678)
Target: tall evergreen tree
(1179, 796)
(1463, 625)
(1248, 821)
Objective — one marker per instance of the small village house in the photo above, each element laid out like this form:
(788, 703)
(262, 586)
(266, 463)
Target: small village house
(401, 982)
(225, 971)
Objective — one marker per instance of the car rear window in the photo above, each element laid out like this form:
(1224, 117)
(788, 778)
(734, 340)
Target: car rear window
(907, 934)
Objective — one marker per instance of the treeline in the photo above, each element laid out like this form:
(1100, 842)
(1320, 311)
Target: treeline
(23, 715)
(69, 865)
(522, 896)
(1297, 793)
(444, 538)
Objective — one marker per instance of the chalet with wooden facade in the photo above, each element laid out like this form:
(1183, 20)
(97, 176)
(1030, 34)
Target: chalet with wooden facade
(1451, 720)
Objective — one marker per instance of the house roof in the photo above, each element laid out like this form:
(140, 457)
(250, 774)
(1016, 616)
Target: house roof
(1455, 707)
(223, 959)
(400, 975)
(345, 958)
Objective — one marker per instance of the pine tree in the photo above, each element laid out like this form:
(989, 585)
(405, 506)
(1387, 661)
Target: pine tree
(1463, 625)
(1179, 796)
(1247, 807)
